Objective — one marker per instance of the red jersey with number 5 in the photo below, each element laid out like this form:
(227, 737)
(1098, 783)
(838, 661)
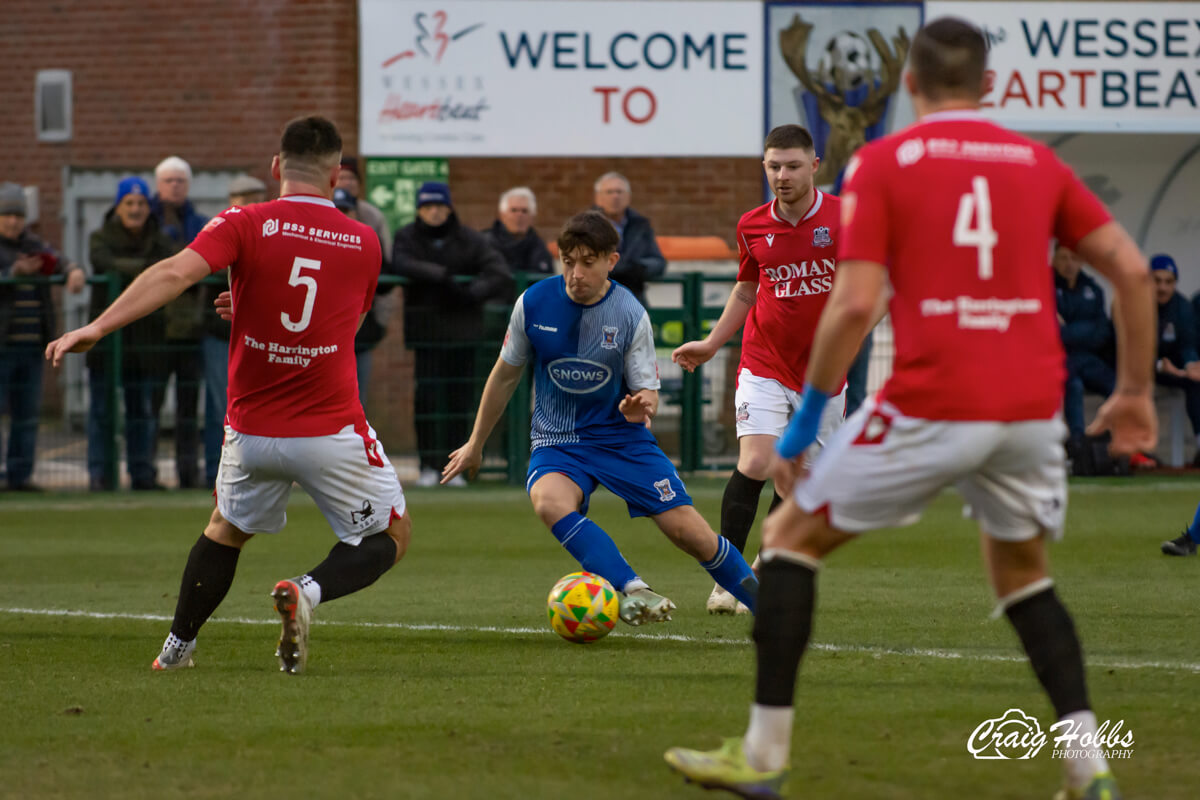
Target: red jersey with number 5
(961, 212)
(793, 266)
(302, 273)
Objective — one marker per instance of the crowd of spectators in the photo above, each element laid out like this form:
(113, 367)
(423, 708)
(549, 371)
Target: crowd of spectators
(1090, 343)
(452, 273)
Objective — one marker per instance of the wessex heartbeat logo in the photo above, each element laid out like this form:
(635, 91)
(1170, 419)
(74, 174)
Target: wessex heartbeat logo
(408, 98)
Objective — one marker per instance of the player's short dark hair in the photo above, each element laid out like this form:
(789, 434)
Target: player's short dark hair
(590, 231)
(310, 144)
(949, 57)
(786, 137)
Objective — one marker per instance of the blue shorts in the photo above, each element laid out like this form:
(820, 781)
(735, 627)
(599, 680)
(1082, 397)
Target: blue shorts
(638, 473)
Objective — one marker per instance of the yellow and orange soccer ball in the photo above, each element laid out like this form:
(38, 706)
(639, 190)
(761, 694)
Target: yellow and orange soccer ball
(583, 607)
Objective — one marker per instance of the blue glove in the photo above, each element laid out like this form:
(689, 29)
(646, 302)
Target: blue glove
(802, 430)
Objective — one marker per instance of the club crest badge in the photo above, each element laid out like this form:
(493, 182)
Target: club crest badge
(821, 237)
(743, 412)
(665, 492)
(609, 338)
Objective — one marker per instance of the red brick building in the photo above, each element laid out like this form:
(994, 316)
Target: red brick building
(214, 82)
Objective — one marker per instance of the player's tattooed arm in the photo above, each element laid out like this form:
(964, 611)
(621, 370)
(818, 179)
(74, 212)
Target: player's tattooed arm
(737, 308)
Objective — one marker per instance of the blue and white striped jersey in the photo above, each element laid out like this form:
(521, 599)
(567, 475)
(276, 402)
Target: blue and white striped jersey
(586, 359)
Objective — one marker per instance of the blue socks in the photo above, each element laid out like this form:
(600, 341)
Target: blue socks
(729, 569)
(594, 550)
(1194, 530)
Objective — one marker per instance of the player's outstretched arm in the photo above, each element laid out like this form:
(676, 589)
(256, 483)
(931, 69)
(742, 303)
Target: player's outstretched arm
(498, 390)
(151, 290)
(1129, 413)
(737, 308)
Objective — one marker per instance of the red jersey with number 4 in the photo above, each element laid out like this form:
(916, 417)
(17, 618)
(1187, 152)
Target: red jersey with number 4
(961, 211)
(302, 273)
(793, 266)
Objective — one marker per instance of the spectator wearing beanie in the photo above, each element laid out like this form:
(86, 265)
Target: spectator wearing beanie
(129, 241)
(27, 323)
(443, 319)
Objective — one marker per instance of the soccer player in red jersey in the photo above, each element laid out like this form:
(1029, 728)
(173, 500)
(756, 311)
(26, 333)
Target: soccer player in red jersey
(786, 259)
(302, 277)
(958, 214)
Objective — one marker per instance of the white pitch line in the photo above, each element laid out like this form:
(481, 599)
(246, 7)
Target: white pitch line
(878, 652)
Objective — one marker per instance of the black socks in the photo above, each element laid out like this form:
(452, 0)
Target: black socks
(347, 568)
(739, 506)
(206, 580)
(782, 624)
(1049, 637)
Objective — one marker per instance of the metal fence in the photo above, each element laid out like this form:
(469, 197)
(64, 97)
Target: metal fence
(134, 414)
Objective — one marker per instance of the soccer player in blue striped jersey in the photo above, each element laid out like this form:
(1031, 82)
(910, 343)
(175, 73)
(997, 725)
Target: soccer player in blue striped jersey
(596, 391)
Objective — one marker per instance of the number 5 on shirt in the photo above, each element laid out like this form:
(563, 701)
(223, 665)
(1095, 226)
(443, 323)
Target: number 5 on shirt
(310, 293)
(978, 204)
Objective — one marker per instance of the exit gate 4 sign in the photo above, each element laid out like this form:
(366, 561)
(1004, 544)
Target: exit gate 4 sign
(510, 78)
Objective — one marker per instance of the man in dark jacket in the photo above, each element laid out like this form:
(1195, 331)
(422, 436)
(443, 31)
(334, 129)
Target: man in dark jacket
(128, 242)
(640, 257)
(1087, 335)
(183, 355)
(452, 271)
(514, 236)
(26, 327)
(1178, 361)
(243, 190)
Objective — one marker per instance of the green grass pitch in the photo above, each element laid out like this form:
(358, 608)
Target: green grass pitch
(444, 680)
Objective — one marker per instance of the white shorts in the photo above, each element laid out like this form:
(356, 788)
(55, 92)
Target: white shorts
(347, 474)
(882, 468)
(764, 406)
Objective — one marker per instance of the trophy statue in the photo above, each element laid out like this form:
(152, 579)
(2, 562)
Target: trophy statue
(849, 92)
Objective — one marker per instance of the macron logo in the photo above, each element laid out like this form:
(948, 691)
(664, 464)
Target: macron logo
(270, 228)
(770, 237)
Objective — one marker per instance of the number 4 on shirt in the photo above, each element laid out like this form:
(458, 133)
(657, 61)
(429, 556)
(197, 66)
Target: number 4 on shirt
(978, 204)
(310, 293)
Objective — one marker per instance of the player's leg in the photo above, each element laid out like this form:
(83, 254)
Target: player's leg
(739, 505)
(557, 500)
(1019, 576)
(689, 531)
(207, 577)
(1018, 496)
(877, 471)
(794, 543)
(351, 480)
